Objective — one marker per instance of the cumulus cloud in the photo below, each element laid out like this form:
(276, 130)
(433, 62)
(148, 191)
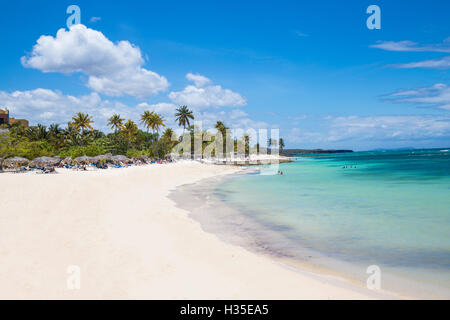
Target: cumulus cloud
(442, 63)
(199, 80)
(436, 96)
(203, 95)
(163, 108)
(48, 106)
(114, 69)
(411, 46)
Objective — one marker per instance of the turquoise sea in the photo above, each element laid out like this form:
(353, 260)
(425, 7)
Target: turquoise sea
(390, 209)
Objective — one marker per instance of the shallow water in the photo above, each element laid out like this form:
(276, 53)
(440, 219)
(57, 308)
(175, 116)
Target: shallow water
(390, 209)
(344, 212)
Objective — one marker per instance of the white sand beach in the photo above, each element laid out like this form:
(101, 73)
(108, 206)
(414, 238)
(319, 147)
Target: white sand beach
(131, 242)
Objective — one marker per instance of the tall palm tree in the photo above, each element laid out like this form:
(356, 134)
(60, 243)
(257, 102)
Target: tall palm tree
(168, 138)
(168, 134)
(222, 128)
(183, 115)
(281, 144)
(157, 122)
(147, 118)
(82, 121)
(115, 122)
(130, 129)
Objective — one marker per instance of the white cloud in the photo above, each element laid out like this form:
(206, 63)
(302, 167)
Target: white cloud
(199, 80)
(200, 96)
(236, 114)
(95, 19)
(163, 108)
(443, 63)
(365, 131)
(114, 69)
(408, 127)
(436, 96)
(47, 106)
(411, 46)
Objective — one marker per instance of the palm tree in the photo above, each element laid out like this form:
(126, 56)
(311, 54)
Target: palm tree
(168, 137)
(220, 126)
(130, 129)
(183, 115)
(55, 135)
(41, 132)
(115, 122)
(281, 144)
(168, 134)
(157, 122)
(147, 118)
(82, 121)
(54, 130)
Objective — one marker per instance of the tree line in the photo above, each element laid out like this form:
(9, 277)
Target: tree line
(79, 138)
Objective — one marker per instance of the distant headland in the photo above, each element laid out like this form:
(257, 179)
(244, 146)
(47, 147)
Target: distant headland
(291, 152)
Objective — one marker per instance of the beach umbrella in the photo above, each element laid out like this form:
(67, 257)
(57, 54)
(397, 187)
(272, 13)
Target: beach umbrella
(15, 161)
(68, 160)
(83, 160)
(119, 158)
(45, 161)
(105, 157)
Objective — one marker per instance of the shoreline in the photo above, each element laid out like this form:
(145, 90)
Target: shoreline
(265, 240)
(132, 242)
(256, 243)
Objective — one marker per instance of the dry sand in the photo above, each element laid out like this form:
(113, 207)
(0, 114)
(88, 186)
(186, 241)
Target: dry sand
(131, 242)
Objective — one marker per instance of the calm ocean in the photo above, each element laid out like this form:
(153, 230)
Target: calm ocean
(390, 209)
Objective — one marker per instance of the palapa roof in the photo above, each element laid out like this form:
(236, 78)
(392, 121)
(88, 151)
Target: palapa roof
(83, 159)
(103, 157)
(43, 161)
(15, 160)
(119, 158)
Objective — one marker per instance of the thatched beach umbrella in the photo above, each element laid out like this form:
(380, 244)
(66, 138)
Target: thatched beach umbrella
(119, 158)
(104, 157)
(45, 161)
(16, 161)
(83, 160)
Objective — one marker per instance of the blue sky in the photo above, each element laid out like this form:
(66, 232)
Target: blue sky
(314, 70)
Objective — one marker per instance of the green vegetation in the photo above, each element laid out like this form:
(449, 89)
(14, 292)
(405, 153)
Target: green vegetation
(79, 138)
